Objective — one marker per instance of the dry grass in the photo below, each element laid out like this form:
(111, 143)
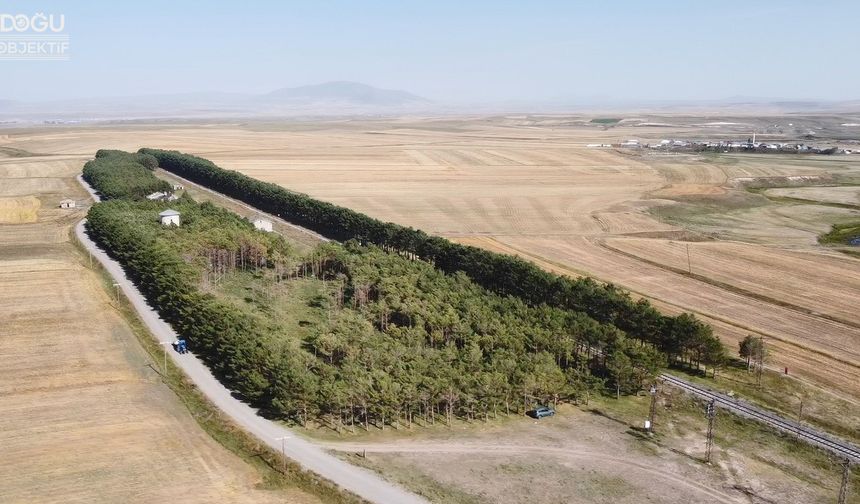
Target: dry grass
(849, 195)
(19, 210)
(594, 455)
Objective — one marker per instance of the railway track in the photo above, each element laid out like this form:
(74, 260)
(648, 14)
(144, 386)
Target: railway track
(835, 445)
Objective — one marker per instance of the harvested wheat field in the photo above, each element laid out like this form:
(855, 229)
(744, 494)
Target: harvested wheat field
(19, 210)
(83, 417)
(841, 195)
(529, 185)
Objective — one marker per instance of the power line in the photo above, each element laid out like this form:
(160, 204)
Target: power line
(652, 412)
(846, 481)
(711, 411)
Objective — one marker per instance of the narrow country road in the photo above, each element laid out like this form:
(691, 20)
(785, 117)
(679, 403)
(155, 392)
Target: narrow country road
(359, 481)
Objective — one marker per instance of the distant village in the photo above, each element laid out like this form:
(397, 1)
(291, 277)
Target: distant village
(750, 145)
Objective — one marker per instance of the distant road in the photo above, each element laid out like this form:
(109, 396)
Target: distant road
(833, 444)
(362, 482)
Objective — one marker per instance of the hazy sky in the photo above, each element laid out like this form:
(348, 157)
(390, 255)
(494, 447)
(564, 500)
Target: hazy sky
(461, 51)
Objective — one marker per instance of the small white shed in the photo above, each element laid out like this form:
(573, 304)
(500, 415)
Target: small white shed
(169, 217)
(67, 203)
(262, 223)
(178, 187)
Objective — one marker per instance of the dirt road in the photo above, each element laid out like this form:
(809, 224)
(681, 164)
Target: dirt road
(538, 452)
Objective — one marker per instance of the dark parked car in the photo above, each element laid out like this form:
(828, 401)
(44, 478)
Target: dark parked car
(541, 411)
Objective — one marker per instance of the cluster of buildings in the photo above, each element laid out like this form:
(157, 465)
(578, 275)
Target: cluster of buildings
(165, 196)
(171, 217)
(749, 145)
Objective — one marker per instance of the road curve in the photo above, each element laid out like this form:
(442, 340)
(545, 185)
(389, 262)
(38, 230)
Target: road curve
(359, 481)
(821, 439)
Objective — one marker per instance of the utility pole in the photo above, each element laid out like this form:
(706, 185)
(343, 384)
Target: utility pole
(800, 415)
(164, 347)
(760, 358)
(283, 440)
(846, 481)
(711, 411)
(652, 412)
(689, 262)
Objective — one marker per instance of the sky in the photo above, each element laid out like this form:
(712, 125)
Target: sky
(450, 51)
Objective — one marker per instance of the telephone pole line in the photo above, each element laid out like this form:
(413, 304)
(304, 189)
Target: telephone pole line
(711, 411)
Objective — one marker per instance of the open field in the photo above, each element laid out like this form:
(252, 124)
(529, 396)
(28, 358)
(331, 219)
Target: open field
(528, 185)
(591, 454)
(19, 210)
(83, 415)
(844, 195)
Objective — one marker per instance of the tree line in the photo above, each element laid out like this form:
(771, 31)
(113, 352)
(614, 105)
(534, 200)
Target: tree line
(118, 174)
(684, 339)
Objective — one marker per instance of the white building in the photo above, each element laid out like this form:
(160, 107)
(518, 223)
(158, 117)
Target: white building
(67, 203)
(162, 196)
(169, 217)
(262, 224)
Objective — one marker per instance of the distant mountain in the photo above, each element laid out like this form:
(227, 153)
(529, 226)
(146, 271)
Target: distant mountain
(354, 93)
(346, 99)
(327, 99)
